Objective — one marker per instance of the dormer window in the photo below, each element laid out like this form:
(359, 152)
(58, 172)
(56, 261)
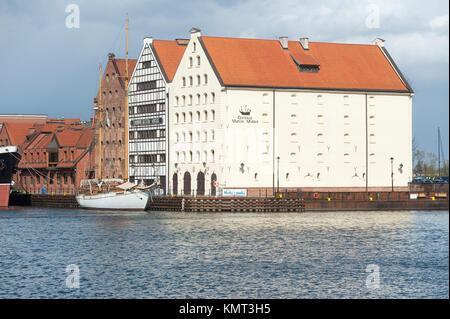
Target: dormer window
(305, 67)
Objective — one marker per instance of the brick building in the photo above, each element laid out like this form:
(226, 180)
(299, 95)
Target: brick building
(113, 118)
(56, 153)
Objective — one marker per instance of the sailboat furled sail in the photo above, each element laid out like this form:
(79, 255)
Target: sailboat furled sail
(114, 194)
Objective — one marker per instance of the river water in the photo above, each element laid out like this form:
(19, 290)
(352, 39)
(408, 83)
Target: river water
(64, 253)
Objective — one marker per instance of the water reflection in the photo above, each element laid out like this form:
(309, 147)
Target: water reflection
(212, 255)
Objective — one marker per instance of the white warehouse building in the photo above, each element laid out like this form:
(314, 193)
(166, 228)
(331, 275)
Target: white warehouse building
(257, 115)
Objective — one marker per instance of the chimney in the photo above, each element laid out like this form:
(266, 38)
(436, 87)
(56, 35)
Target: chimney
(379, 42)
(194, 32)
(284, 42)
(182, 41)
(111, 56)
(305, 43)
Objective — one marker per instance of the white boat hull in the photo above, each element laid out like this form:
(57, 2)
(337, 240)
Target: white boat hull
(129, 200)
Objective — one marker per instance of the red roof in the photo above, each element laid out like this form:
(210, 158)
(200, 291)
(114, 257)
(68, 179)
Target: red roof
(68, 137)
(169, 54)
(257, 62)
(120, 63)
(86, 138)
(18, 132)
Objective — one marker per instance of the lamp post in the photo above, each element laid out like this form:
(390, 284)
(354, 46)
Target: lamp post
(392, 173)
(278, 174)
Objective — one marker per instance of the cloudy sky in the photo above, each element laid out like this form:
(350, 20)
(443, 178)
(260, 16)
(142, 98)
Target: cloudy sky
(48, 68)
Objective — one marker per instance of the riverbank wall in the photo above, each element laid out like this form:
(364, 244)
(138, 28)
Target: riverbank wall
(283, 202)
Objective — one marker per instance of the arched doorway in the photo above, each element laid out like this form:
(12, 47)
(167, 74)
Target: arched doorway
(175, 184)
(187, 183)
(200, 183)
(213, 187)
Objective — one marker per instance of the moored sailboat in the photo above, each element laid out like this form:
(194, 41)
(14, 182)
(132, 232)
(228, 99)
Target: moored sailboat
(114, 194)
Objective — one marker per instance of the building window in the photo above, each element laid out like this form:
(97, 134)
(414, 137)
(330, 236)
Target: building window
(212, 156)
(147, 134)
(184, 81)
(198, 60)
(190, 62)
(198, 99)
(191, 81)
(319, 99)
(213, 135)
(213, 115)
(198, 80)
(148, 85)
(107, 77)
(183, 100)
(194, 46)
(198, 116)
(347, 138)
(293, 118)
(213, 98)
(206, 78)
(190, 99)
(320, 138)
(177, 118)
(205, 98)
(149, 108)
(294, 137)
(146, 64)
(190, 117)
(346, 119)
(205, 115)
(292, 157)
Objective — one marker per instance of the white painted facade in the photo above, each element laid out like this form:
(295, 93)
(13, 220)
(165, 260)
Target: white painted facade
(147, 120)
(326, 140)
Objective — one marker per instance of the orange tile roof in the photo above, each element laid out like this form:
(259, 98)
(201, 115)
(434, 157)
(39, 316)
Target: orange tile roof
(120, 63)
(258, 62)
(18, 132)
(169, 54)
(86, 138)
(68, 137)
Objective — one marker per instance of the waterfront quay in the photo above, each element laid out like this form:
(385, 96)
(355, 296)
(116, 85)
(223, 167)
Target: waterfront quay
(282, 202)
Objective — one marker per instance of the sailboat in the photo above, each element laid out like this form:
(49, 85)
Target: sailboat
(115, 194)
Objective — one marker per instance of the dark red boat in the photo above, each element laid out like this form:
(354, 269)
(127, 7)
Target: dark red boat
(9, 159)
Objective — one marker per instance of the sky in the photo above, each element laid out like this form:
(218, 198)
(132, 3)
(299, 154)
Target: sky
(50, 68)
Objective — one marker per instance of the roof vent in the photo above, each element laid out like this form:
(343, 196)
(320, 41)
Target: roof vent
(284, 42)
(305, 43)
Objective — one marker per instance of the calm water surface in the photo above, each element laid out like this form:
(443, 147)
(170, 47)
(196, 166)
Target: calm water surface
(231, 255)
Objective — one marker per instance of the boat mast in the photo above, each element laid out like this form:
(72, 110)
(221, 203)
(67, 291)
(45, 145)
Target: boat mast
(100, 126)
(126, 108)
(439, 152)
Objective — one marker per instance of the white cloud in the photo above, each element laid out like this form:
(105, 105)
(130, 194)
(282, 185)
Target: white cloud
(440, 22)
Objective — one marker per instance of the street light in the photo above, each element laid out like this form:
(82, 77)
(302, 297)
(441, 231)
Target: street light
(392, 173)
(278, 174)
